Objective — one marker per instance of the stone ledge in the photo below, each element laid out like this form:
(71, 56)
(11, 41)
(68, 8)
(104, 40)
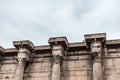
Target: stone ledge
(10, 50)
(78, 44)
(64, 42)
(25, 43)
(92, 36)
(99, 37)
(71, 45)
(45, 47)
(58, 40)
(115, 41)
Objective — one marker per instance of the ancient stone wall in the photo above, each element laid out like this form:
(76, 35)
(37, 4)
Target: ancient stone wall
(93, 59)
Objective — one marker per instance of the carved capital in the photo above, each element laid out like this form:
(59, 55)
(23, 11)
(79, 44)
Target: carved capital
(95, 43)
(96, 56)
(21, 61)
(57, 59)
(24, 53)
(96, 50)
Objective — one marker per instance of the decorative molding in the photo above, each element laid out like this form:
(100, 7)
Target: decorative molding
(21, 61)
(57, 59)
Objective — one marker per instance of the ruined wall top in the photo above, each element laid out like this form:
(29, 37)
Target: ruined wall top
(63, 41)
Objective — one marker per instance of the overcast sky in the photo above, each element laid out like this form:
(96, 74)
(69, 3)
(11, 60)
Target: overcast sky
(38, 20)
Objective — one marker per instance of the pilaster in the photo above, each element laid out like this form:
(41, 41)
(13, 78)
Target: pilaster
(25, 53)
(96, 44)
(58, 46)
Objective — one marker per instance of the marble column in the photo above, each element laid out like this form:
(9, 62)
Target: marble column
(58, 47)
(57, 52)
(21, 58)
(25, 53)
(96, 55)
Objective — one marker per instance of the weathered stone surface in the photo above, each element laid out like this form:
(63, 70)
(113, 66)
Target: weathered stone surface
(1, 49)
(93, 59)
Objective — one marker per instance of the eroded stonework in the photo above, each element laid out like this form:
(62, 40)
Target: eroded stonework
(93, 59)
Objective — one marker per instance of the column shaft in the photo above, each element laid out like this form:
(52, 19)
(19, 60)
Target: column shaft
(96, 50)
(58, 46)
(56, 72)
(20, 69)
(97, 71)
(56, 67)
(57, 60)
(22, 57)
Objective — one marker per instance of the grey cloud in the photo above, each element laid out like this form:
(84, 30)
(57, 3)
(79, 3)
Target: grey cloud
(40, 19)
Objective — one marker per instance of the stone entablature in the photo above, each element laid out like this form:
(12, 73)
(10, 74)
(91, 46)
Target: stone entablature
(93, 59)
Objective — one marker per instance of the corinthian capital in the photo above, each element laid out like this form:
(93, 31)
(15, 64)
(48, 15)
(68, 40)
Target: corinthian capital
(95, 43)
(96, 50)
(96, 56)
(57, 59)
(21, 61)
